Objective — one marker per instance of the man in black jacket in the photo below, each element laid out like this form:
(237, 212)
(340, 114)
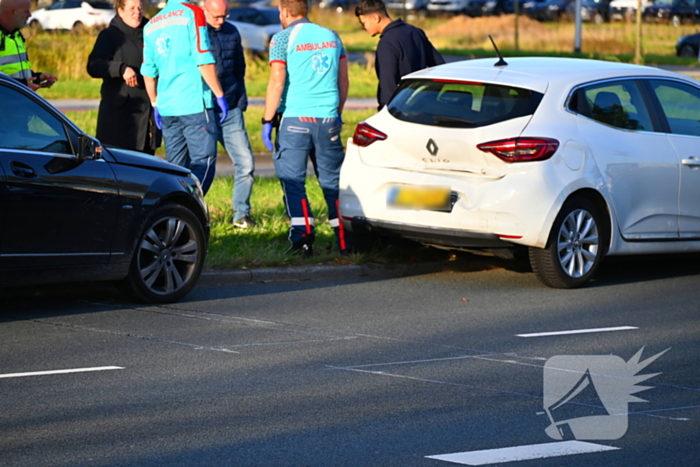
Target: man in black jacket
(402, 48)
(226, 46)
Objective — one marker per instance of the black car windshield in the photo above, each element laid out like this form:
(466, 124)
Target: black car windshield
(460, 104)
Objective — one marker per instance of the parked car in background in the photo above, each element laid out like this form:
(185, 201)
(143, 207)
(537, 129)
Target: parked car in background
(461, 7)
(592, 11)
(689, 46)
(625, 10)
(411, 7)
(72, 210)
(338, 5)
(569, 159)
(675, 12)
(547, 10)
(257, 25)
(76, 15)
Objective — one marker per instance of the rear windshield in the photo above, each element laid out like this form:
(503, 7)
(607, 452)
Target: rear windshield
(101, 5)
(460, 104)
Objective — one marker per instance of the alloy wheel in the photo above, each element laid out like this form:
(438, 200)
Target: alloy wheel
(578, 243)
(167, 255)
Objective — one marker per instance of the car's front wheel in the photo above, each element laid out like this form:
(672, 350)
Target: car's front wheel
(169, 256)
(575, 249)
(687, 51)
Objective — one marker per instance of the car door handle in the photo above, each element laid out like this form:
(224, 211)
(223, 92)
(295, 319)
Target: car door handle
(22, 170)
(692, 161)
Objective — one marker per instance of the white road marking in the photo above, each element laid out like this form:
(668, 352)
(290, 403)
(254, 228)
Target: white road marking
(577, 331)
(521, 453)
(58, 372)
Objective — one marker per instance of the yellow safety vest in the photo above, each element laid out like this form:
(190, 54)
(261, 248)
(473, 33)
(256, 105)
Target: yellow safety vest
(13, 56)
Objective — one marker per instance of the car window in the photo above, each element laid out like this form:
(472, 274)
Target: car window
(460, 104)
(25, 125)
(73, 4)
(101, 5)
(619, 104)
(56, 6)
(681, 105)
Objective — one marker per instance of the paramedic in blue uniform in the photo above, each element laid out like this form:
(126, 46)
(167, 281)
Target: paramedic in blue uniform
(308, 86)
(180, 75)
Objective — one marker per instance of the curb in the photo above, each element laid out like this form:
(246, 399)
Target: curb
(307, 273)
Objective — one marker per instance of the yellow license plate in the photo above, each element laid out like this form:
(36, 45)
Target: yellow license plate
(424, 197)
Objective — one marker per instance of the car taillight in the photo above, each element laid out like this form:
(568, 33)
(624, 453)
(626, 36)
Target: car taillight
(521, 149)
(366, 135)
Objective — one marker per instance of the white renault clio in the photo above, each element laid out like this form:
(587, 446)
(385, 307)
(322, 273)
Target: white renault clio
(574, 159)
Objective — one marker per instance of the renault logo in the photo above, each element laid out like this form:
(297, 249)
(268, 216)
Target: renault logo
(432, 147)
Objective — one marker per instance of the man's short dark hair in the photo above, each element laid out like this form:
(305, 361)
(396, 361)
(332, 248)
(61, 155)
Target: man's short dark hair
(369, 7)
(296, 7)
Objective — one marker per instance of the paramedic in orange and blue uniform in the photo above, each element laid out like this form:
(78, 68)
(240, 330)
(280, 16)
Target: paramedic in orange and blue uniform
(308, 86)
(180, 75)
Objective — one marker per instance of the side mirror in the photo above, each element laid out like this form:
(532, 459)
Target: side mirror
(90, 148)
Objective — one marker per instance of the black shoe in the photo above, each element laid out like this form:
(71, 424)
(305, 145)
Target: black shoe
(303, 247)
(346, 252)
(244, 222)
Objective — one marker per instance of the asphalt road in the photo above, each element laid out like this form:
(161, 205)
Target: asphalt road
(377, 371)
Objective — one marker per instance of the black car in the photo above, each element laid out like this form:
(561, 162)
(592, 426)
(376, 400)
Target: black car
(675, 12)
(688, 46)
(547, 10)
(71, 210)
(592, 11)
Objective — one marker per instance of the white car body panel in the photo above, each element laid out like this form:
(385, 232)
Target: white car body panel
(688, 150)
(65, 18)
(638, 174)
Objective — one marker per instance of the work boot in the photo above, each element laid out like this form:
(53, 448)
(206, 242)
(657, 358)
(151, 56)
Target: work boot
(303, 247)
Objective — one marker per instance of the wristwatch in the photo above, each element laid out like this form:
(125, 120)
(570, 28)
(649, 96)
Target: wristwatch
(266, 121)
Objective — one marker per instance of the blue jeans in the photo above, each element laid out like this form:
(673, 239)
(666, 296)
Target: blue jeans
(297, 139)
(190, 141)
(233, 136)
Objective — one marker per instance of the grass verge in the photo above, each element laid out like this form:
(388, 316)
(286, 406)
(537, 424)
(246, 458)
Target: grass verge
(265, 244)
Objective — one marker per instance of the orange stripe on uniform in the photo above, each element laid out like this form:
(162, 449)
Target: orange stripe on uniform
(200, 21)
(305, 210)
(341, 229)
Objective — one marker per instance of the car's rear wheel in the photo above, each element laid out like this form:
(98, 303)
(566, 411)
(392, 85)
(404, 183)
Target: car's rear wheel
(78, 28)
(687, 51)
(35, 26)
(575, 248)
(169, 256)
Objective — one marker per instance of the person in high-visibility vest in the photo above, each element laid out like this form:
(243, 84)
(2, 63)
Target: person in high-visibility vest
(13, 48)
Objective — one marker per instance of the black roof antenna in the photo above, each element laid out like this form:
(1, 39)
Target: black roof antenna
(500, 61)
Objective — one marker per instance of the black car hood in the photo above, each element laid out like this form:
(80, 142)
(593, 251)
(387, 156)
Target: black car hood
(139, 159)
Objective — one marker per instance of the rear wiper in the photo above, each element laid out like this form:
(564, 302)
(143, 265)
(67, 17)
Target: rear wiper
(453, 120)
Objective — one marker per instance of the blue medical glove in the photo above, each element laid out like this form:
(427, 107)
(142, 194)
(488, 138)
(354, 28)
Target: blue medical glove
(340, 120)
(267, 136)
(157, 118)
(223, 107)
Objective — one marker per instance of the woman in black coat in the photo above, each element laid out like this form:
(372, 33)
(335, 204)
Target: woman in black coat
(125, 115)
